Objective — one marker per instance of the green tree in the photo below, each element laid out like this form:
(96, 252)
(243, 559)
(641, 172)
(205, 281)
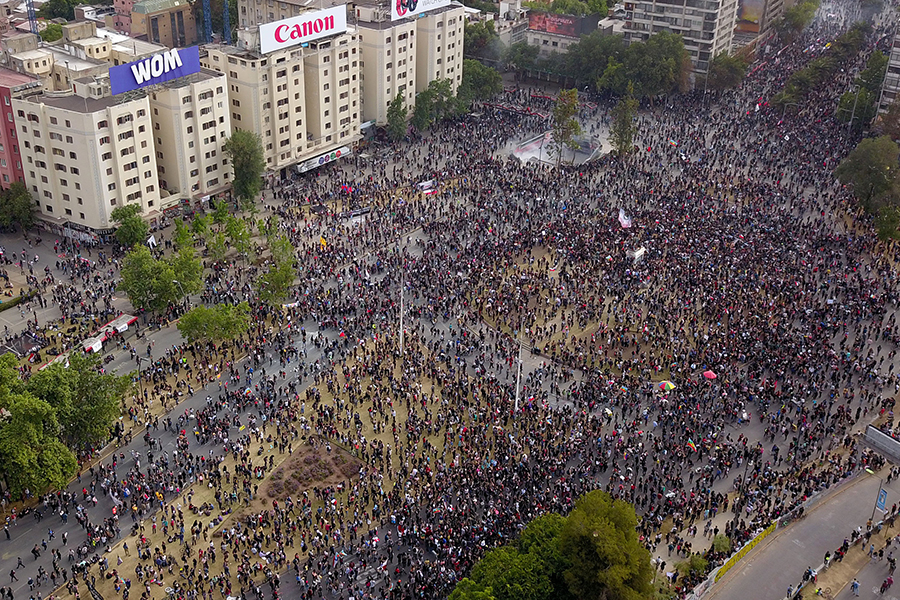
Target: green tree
(245, 150)
(721, 543)
(859, 106)
(513, 575)
(540, 539)
(607, 560)
(148, 281)
(478, 82)
(16, 207)
(798, 16)
(238, 235)
(58, 9)
(481, 41)
(521, 56)
(657, 66)
(469, 590)
(219, 323)
(275, 284)
(52, 32)
(216, 246)
(187, 269)
(132, 229)
(587, 59)
(564, 124)
(871, 170)
(32, 455)
(396, 118)
(726, 71)
(872, 76)
(86, 403)
(889, 124)
(183, 237)
(623, 128)
(434, 103)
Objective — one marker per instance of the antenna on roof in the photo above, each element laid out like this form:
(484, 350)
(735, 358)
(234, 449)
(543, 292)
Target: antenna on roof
(32, 17)
(207, 21)
(226, 22)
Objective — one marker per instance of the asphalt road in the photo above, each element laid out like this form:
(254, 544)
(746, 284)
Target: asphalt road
(766, 573)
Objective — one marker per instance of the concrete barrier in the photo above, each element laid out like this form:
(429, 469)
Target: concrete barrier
(883, 442)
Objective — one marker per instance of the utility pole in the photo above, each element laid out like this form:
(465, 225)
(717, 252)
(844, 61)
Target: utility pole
(853, 114)
(519, 366)
(401, 317)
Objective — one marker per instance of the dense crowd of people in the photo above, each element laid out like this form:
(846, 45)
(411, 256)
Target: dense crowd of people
(771, 314)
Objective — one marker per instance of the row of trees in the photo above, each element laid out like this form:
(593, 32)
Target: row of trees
(438, 101)
(605, 63)
(593, 553)
(860, 107)
(803, 81)
(872, 171)
(57, 413)
(569, 7)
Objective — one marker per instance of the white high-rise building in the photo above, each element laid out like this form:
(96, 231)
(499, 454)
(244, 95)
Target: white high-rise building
(86, 153)
(303, 101)
(707, 26)
(891, 87)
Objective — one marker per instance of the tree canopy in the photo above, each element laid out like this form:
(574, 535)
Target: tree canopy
(564, 122)
(61, 409)
(219, 323)
(871, 169)
(132, 229)
(478, 82)
(482, 41)
(150, 282)
(623, 129)
(593, 553)
(434, 103)
(16, 207)
(244, 149)
(396, 118)
(726, 71)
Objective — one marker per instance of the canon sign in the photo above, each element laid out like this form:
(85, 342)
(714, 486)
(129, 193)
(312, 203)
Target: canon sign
(158, 68)
(302, 29)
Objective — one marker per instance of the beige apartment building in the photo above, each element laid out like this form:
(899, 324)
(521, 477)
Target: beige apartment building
(84, 51)
(191, 121)
(388, 63)
(303, 101)
(439, 46)
(86, 153)
(402, 55)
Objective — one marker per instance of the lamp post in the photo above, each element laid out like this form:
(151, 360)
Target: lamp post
(141, 360)
(877, 496)
(180, 287)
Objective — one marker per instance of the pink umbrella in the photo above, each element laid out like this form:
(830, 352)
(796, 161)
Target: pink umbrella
(709, 375)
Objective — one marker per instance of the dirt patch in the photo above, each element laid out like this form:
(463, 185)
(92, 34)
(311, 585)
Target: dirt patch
(311, 467)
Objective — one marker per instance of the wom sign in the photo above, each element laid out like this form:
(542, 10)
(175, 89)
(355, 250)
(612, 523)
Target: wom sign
(309, 26)
(158, 68)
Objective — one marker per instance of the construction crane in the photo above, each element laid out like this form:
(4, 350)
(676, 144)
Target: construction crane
(32, 17)
(207, 21)
(226, 22)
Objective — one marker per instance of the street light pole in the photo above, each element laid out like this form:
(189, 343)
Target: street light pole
(519, 366)
(180, 287)
(401, 318)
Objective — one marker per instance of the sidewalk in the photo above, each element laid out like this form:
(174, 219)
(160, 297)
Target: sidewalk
(781, 560)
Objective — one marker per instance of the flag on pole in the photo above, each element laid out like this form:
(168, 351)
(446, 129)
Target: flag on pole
(624, 220)
(691, 445)
(323, 242)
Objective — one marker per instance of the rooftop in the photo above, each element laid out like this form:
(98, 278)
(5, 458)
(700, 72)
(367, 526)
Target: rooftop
(13, 79)
(73, 103)
(146, 7)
